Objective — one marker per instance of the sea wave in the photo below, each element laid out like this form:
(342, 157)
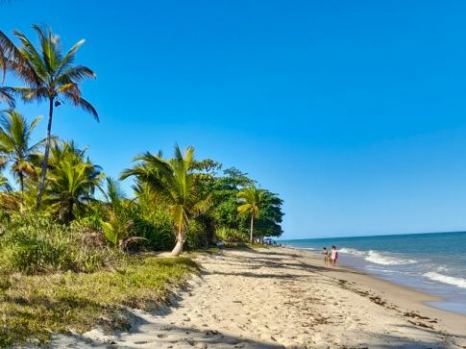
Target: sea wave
(301, 248)
(450, 280)
(377, 257)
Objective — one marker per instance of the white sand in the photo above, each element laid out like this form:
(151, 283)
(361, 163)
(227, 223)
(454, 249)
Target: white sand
(277, 298)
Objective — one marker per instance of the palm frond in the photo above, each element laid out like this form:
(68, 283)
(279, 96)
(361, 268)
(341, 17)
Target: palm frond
(6, 96)
(84, 104)
(69, 56)
(12, 58)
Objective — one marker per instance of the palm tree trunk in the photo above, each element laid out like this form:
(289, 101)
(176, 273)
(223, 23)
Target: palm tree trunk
(21, 185)
(69, 212)
(45, 162)
(251, 237)
(180, 237)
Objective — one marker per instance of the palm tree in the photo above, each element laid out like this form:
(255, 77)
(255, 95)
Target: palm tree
(15, 144)
(250, 200)
(176, 183)
(48, 75)
(73, 179)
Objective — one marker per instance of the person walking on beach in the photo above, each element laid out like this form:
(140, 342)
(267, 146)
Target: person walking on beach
(325, 253)
(333, 255)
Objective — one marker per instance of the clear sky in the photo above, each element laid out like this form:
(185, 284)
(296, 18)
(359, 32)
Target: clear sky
(353, 111)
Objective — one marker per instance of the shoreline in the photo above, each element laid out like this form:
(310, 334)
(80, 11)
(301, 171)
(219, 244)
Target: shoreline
(283, 298)
(427, 297)
(405, 296)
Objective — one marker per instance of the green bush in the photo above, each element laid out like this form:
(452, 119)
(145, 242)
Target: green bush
(157, 229)
(35, 244)
(196, 236)
(230, 235)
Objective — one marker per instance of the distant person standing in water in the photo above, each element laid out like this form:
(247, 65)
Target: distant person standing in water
(325, 253)
(333, 255)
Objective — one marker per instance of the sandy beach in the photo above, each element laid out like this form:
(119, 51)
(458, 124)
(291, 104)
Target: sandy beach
(284, 298)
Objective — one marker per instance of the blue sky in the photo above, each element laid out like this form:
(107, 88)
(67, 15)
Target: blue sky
(353, 111)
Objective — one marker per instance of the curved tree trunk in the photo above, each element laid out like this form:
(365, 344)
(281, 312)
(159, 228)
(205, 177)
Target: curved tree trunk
(180, 238)
(45, 162)
(251, 237)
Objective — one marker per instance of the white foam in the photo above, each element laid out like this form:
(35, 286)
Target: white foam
(378, 257)
(450, 280)
(352, 251)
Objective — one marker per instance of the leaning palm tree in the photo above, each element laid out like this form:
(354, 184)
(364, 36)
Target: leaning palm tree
(72, 182)
(176, 183)
(48, 75)
(250, 200)
(15, 144)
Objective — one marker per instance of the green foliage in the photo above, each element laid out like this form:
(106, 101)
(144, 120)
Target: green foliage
(34, 244)
(157, 228)
(122, 220)
(72, 181)
(15, 144)
(197, 237)
(270, 217)
(175, 183)
(231, 235)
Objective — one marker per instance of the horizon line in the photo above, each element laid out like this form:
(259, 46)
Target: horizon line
(376, 235)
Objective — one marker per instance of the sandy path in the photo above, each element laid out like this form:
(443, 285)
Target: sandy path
(274, 298)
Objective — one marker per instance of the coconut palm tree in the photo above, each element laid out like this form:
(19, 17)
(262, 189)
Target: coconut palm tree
(49, 75)
(15, 144)
(250, 200)
(177, 184)
(72, 181)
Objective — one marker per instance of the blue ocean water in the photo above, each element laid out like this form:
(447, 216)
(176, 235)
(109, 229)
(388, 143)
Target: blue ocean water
(434, 263)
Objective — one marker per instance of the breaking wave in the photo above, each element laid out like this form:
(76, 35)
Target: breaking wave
(450, 280)
(378, 257)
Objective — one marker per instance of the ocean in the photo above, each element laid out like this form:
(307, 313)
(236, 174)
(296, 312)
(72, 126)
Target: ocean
(434, 263)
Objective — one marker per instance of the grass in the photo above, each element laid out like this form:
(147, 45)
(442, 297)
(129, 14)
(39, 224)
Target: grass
(32, 307)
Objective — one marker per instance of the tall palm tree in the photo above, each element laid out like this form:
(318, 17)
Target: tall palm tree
(49, 75)
(250, 200)
(73, 179)
(176, 183)
(15, 144)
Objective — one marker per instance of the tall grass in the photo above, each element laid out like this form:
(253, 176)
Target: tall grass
(34, 244)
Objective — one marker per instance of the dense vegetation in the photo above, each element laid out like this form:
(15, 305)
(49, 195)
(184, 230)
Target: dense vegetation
(60, 213)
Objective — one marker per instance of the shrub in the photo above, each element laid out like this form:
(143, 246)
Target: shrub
(196, 236)
(230, 235)
(34, 244)
(159, 234)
